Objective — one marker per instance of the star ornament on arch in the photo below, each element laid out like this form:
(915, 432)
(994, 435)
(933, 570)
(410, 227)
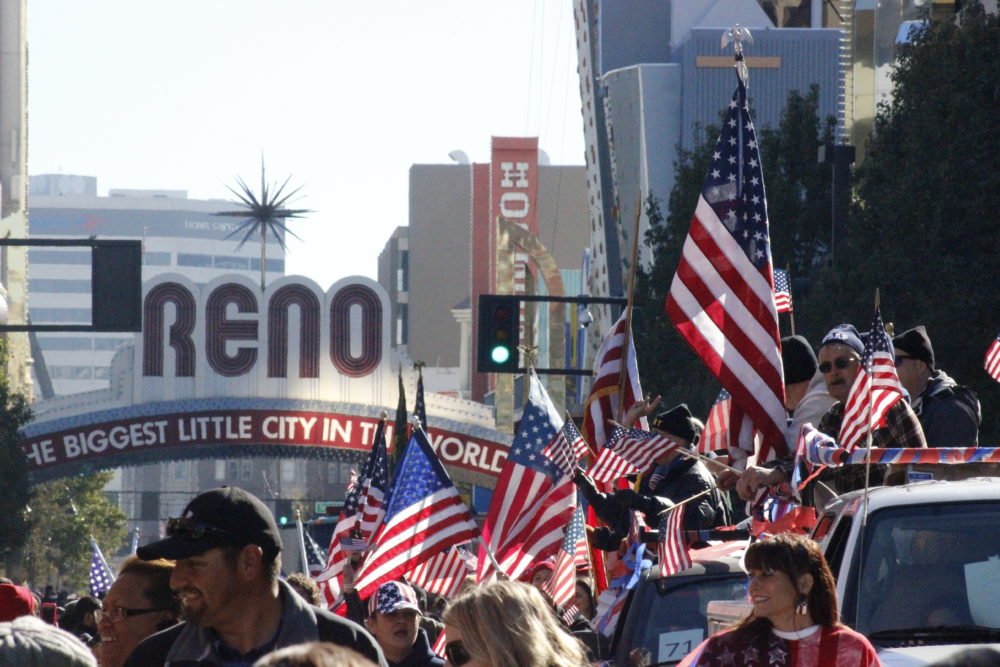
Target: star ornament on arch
(265, 212)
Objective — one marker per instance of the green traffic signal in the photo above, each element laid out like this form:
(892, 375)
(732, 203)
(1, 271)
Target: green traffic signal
(500, 354)
(498, 335)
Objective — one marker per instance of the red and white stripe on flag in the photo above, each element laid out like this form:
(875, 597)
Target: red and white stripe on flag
(992, 361)
(875, 390)
(444, 573)
(716, 433)
(561, 586)
(721, 298)
(603, 402)
(439, 644)
(672, 549)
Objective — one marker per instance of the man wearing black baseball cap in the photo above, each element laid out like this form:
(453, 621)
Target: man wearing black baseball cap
(228, 553)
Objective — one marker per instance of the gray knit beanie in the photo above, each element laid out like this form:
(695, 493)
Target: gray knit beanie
(31, 642)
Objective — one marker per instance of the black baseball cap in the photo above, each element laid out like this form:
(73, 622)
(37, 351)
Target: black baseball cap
(228, 516)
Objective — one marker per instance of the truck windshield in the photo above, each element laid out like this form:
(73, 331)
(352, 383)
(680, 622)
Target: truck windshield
(928, 566)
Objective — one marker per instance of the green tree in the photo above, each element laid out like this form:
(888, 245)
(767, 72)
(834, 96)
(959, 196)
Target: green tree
(798, 194)
(15, 491)
(924, 227)
(65, 513)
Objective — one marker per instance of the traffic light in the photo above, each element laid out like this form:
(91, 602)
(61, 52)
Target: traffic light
(284, 513)
(499, 323)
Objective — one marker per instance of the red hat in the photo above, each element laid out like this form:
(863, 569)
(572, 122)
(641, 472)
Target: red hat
(15, 601)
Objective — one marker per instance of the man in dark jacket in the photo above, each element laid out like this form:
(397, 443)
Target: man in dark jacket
(394, 619)
(673, 478)
(228, 554)
(949, 412)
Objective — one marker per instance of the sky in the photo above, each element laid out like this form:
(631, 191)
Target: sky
(342, 97)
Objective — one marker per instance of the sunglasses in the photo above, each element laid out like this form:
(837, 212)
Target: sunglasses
(118, 614)
(840, 362)
(190, 529)
(456, 653)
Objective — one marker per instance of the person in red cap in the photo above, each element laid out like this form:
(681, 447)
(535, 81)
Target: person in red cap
(15, 601)
(236, 608)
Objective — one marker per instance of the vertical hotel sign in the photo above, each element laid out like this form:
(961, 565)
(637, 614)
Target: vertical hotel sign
(514, 195)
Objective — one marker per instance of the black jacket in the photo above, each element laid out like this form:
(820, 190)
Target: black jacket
(949, 413)
(420, 655)
(186, 645)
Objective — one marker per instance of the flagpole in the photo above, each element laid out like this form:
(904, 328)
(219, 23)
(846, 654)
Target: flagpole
(302, 541)
(791, 310)
(630, 298)
(685, 501)
(868, 460)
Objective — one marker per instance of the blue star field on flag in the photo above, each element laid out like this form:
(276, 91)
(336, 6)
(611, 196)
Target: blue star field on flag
(535, 433)
(100, 576)
(734, 186)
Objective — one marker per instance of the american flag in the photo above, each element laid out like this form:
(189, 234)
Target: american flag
(604, 400)
(401, 434)
(611, 602)
(672, 548)
(876, 388)
(374, 482)
(419, 407)
(567, 450)
(630, 452)
(315, 558)
(100, 575)
(444, 573)
(782, 291)
(721, 298)
(347, 524)
(425, 515)
(716, 433)
(992, 362)
(439, 644)
(561, 586)
(534, 499)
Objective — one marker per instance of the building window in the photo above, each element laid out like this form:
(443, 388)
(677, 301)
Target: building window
(220, 470)
(246, 470)
(156, 258)
(58, 285)
(401, 324)
(230, 262)
(59, 256)
(60, 315)
(332, 473)
(403, 272)
(345, 472)
(288, 471)
(188, 259)
(232, 470)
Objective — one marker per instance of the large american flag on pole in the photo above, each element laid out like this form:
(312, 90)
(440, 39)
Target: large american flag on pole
(992, 361)
(876, 388)
(425, 515)
(721, 299)
(100, 574)
(561, 586)
(374, 482)
(630, 452)
(604, 400)
(534, 498)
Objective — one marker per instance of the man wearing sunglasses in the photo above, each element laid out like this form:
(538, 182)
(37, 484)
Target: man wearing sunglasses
(227, 551)
(949, 412)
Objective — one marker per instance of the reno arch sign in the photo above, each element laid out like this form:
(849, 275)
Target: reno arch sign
(291, 341)
(223, 369)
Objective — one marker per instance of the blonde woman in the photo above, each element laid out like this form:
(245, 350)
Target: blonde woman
(507, 624)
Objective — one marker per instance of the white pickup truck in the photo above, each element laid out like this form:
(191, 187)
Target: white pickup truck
(920, 576)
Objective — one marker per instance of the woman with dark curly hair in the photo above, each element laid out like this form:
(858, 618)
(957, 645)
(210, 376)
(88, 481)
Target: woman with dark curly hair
(794, 621)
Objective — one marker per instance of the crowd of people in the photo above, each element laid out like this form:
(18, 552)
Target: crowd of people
(211, 591)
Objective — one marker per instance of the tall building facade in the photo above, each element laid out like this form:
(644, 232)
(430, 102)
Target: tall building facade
(436, 267)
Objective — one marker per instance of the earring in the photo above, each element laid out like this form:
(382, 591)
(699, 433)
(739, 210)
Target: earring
(802, 605)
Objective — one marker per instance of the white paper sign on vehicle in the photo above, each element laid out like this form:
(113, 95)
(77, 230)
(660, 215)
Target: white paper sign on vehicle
(675, 645)
(982, 585)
